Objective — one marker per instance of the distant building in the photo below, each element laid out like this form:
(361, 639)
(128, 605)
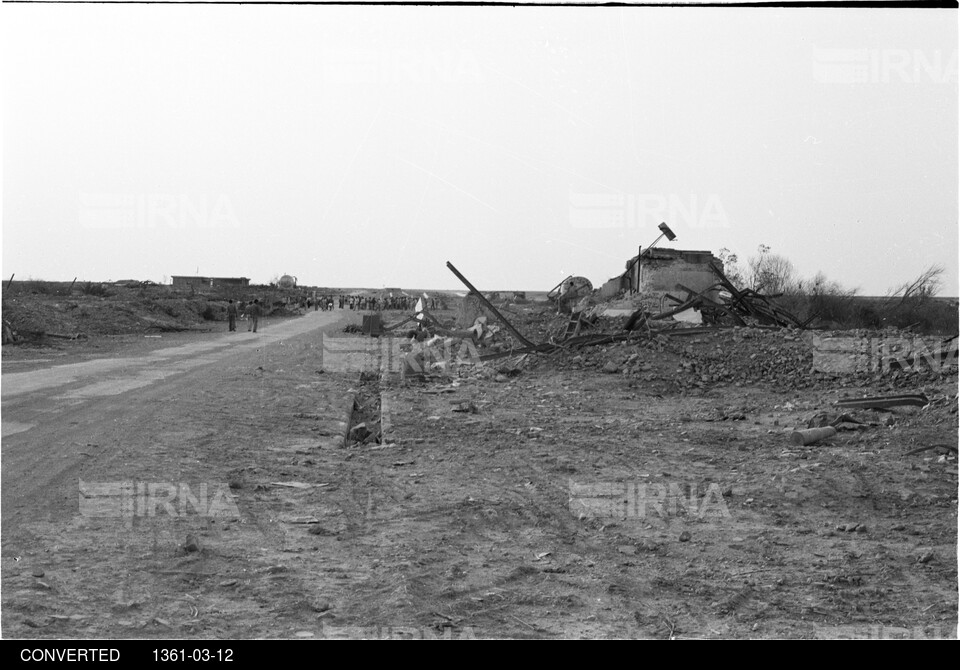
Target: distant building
(660, 270)
(209, 282)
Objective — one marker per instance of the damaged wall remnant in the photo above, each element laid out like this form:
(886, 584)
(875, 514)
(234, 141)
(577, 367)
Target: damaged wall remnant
(660, 270)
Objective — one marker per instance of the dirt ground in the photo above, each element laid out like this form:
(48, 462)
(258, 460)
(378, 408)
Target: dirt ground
(549, 499)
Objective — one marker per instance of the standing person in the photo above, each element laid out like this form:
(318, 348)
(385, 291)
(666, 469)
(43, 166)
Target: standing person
(232, 315)
(254, 313)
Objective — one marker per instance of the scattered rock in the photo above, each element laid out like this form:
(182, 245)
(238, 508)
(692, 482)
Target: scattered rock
(685, 536)
(359, 432)
(124, 605)
(925, 557)
(37, 572)
(192, 544)
(611, 368)
(466, 406)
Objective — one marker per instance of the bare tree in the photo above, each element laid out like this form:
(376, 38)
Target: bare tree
(927, 285)
(731, 267)
(770, 273)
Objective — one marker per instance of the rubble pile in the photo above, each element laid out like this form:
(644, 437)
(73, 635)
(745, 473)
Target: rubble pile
(740, 355)
(650, 348)
(747, 355)
(537, 321)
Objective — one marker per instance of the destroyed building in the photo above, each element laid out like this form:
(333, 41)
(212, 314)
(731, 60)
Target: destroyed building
(658, 271)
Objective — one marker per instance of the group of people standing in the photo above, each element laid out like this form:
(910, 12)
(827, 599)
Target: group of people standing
(361, 303)
(403, 303)
(323, 303)
(253, 311)
(371, 303)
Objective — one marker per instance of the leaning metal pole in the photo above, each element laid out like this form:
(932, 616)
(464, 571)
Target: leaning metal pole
(493, 310)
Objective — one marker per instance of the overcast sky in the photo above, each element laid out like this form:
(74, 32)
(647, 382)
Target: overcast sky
(367, 146)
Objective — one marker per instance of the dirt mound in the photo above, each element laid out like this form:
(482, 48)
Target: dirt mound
(36, 310)
(35, 317)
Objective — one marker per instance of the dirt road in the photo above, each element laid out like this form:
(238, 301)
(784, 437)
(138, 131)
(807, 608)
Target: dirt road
(191, 417)
(201, 492)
